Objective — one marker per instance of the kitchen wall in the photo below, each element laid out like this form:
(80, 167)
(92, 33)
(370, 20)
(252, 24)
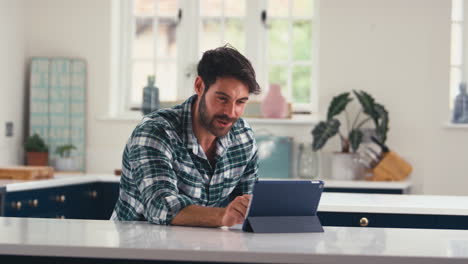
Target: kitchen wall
(12, 72)
(398, 50)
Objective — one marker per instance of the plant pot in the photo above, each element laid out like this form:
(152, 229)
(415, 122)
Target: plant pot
(65, 164)
(37, 158)
(344, 166)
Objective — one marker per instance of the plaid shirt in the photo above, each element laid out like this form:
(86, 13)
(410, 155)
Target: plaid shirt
(164, 169)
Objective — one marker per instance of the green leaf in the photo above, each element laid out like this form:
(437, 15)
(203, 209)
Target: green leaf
(355, 139)
(368, 104)
(35, 143)
(381, 128)
(323, 131)
(65, 150)
(338, 104)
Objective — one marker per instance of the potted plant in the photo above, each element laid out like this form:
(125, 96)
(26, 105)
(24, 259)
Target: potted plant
(37, 152)
(344, 165)
(64, 162)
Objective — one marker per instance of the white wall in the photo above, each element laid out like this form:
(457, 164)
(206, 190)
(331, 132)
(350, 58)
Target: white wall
(12, 75)
(82, 29)
(398, 50)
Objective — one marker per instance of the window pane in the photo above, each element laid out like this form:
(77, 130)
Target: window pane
(278, 8)
(278, 36)
(144, 7)
(301, 84)
(166, 81)
(143, 43)
(457, 41)
(457, 9)
(167, 38)
(235, 33)
(302, 8)
(278, 74)
(141, 70)
(210, 7)
(455, 79)
(234, 8)
(210, 34)
(168, 8)
(302, 40)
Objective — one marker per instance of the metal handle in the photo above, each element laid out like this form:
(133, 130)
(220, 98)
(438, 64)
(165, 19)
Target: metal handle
(16, 205)
(60, 198)
(364, 222)
(60, 217)
(93, 194)
(34, 203)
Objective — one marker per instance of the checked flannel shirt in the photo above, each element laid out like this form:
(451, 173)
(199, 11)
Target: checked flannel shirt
(164, 169)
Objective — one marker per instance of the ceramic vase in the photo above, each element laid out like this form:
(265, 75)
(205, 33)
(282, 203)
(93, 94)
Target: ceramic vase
(150, 97)
(344, 166)
(274, 104)
(65, 164)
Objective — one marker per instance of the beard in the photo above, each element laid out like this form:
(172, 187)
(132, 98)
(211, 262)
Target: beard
(209, 122)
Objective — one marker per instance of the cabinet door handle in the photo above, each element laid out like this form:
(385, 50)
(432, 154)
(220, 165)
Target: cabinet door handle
(93, 194)
(364, 222)
(34, 203)
(16, 205)
(60, 198)
(60, 217)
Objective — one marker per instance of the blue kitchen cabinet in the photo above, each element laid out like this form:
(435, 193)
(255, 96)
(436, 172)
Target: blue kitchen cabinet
(83, 201)
(43, 203)
(393, 220)
(80, 201)
(2, 200)
(364, 190)
(110, 194)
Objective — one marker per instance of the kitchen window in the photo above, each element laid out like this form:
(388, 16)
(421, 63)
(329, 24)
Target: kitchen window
(166, 38)
(457, 59)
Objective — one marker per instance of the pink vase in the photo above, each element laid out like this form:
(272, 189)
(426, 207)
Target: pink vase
(274, 105)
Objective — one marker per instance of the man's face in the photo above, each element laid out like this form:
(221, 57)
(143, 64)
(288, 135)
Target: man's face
(222, 105)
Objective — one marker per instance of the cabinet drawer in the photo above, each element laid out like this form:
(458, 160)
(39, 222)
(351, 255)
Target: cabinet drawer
(378, 220)
(35, 203)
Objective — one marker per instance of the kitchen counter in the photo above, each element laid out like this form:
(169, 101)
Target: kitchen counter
(142, 241)
(330, 202)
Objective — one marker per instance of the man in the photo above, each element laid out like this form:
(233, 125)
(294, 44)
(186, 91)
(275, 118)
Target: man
(181, 164)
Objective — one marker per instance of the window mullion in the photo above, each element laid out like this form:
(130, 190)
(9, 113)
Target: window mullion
(155, 38)
(223, 22)
(290, 66)
(130, 26)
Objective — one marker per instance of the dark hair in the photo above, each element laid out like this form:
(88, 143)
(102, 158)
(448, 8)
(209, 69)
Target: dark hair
(226, 61)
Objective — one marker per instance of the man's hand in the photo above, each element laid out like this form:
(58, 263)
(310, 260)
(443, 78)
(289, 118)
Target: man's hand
(235, 212)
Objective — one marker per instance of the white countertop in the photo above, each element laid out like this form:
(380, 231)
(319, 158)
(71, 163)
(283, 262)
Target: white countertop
(140, 240)
(330, 202)
(58, 180)
(69, 179)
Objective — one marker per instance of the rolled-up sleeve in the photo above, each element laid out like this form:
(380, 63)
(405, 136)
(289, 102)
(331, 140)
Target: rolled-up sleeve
(156, 180)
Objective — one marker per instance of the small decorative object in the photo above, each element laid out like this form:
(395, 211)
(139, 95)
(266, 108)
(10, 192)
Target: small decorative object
(65, 162)
(150, 96)
(346, 161)
(37, 152)
(460, 110)
(307, 165)
(274, 105)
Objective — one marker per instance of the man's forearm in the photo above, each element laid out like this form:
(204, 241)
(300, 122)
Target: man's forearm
(195, 215)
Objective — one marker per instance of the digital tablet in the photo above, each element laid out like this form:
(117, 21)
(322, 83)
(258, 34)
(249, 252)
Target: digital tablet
(283, 199)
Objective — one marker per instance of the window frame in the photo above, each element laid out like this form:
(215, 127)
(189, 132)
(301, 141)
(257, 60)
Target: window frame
(187, 57)
(460, 67)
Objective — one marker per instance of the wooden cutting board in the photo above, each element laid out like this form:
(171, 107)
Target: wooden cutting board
(26, 173)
